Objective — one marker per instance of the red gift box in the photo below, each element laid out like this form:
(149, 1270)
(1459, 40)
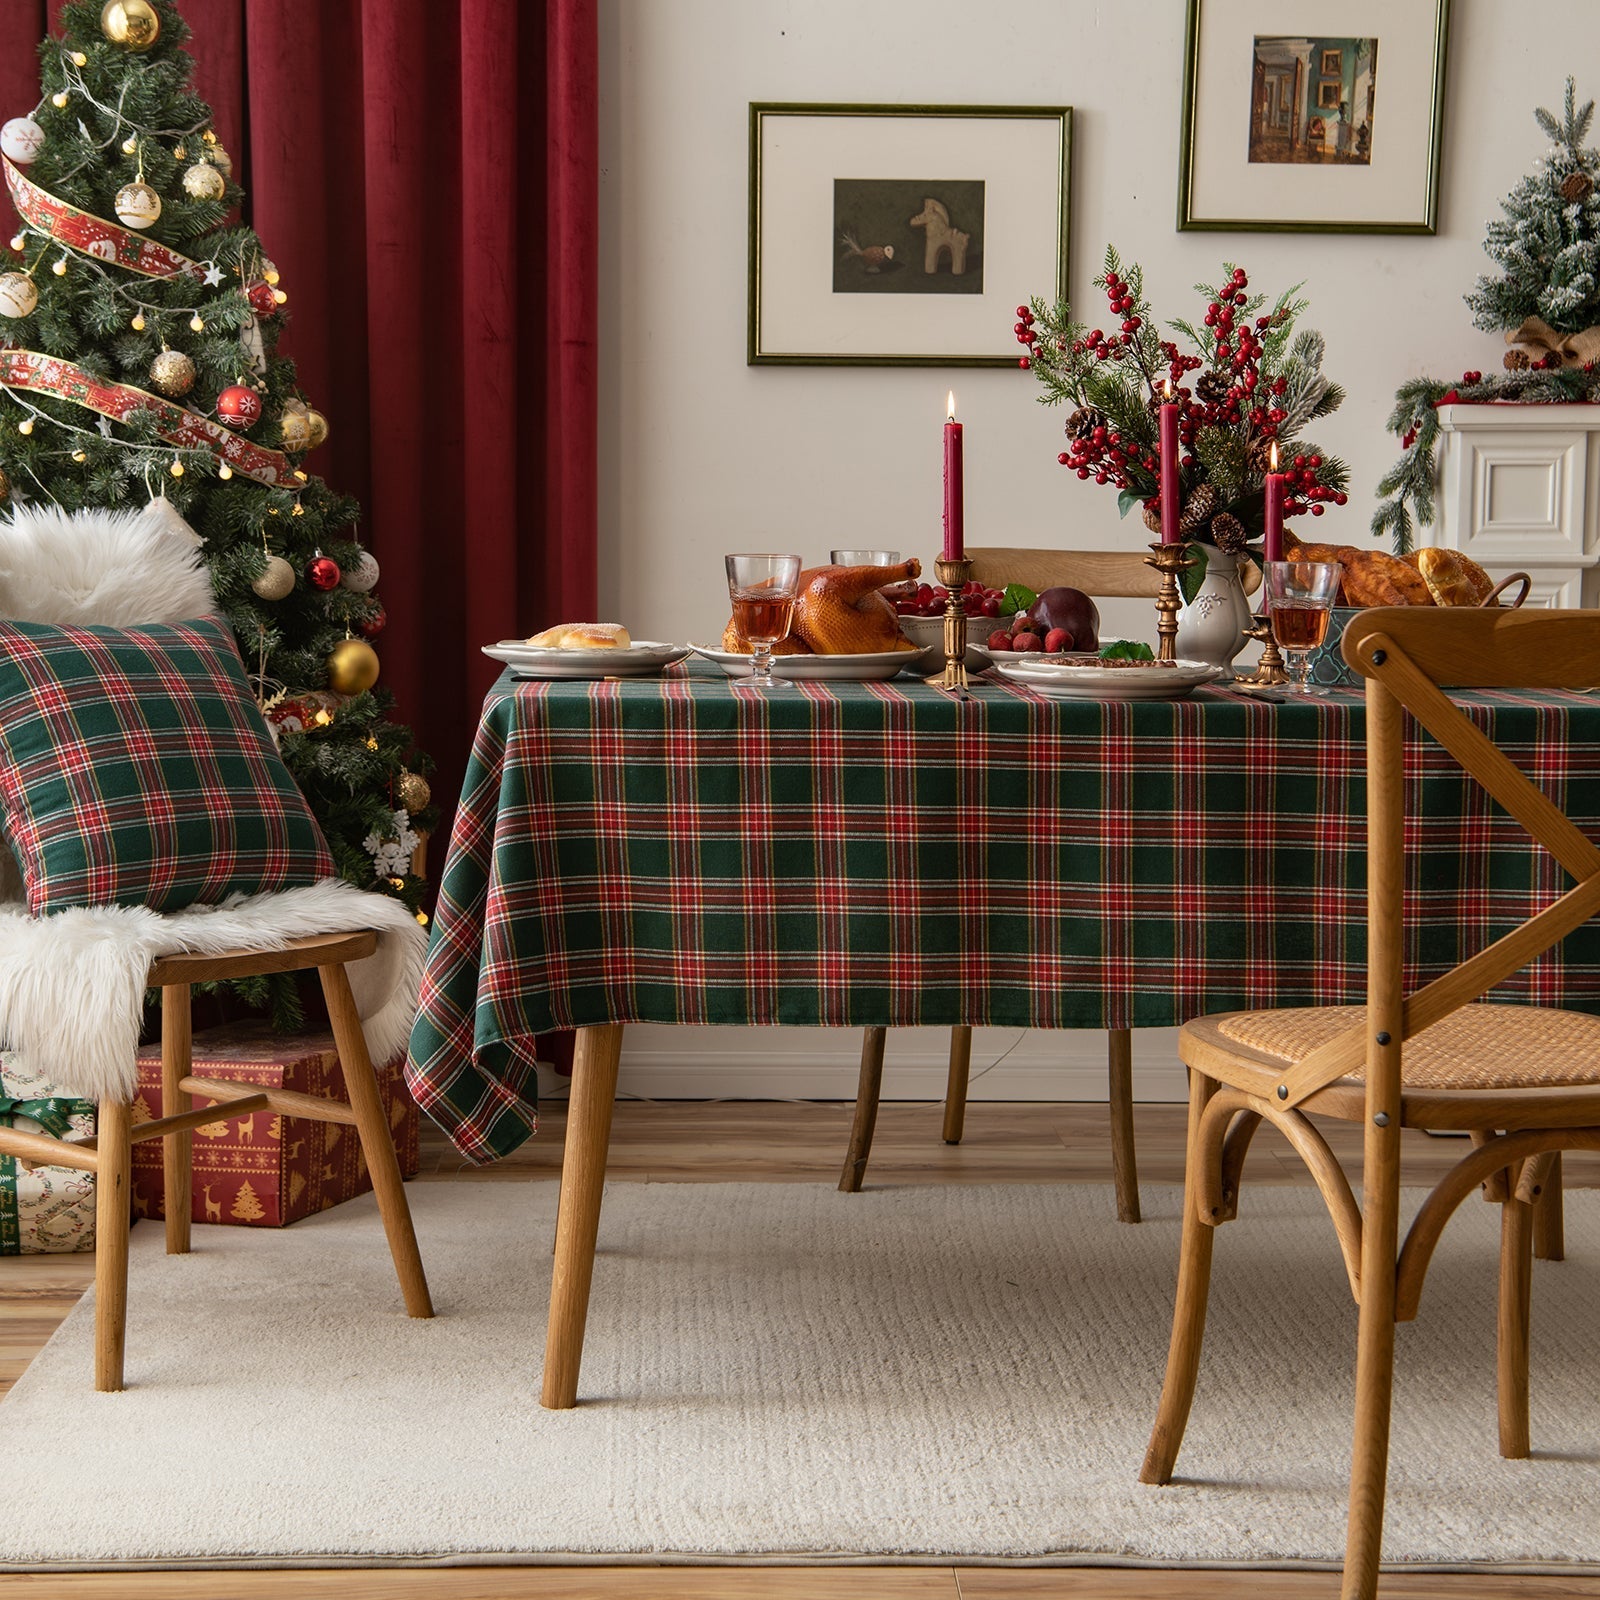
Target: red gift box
(266, 1170)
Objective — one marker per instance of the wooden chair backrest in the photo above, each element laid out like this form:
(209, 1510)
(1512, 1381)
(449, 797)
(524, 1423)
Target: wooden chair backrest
(1102, 574)
(1405, 653)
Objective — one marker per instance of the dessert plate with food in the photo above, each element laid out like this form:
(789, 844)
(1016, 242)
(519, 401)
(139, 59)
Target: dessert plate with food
(585, 650)
(1080, 677)
(842, 628)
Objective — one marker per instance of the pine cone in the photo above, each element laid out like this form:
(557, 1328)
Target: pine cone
(1084, 421)
(1211, 388)
(1576, 186)
(1227, 533)
(1259, 456)
(1516, 360)
(1201, 506)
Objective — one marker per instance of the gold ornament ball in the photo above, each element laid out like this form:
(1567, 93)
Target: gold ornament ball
(296, 424)
(202, 181)
(172, 372)
(134, 24)
(18, 296)
(221, 159)
(276, 581)
(352, 666)
(137, 205)
(412, 791)
(316, 429)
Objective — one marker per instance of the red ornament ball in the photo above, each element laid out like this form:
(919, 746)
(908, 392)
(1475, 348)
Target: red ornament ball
(262, 300)
(238, 407)
(370, 627)
(323, 572)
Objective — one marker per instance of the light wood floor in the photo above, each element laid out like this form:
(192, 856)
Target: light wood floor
(673, 1142)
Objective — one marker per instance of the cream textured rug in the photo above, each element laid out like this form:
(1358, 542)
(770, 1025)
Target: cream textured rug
(780, 1370)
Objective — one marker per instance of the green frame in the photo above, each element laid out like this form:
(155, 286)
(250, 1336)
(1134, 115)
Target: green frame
(1187, 222)
(761, 108)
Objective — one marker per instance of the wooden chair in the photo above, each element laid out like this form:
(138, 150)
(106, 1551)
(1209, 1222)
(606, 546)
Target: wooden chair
(1108, 574)
(110, 1154)
(1524, 1082)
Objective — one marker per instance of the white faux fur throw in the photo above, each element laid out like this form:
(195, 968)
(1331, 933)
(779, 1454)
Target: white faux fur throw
(72, 984)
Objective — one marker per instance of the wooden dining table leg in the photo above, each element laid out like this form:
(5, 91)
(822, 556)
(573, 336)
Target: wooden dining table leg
(583, 1174)
(1119, 1096)
(868, 1090)
(955, 1089)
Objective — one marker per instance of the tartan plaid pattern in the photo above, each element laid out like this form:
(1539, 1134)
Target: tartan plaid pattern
(136, 769)
(847, 854)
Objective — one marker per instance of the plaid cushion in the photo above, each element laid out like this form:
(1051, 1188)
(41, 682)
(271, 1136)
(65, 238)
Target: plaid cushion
(136, 769)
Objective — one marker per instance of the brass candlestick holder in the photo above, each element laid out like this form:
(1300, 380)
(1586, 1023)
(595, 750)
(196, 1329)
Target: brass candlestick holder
(953, 575)
(1270, 669)
(1169, 560)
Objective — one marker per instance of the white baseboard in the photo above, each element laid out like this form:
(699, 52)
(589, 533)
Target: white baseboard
(823, 1063)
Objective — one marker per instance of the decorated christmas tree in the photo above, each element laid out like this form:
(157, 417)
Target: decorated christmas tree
(139, 323)
(1548, 242)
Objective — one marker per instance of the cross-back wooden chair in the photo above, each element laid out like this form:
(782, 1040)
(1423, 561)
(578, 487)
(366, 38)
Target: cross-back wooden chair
(1104, 574)
(1523, 1081)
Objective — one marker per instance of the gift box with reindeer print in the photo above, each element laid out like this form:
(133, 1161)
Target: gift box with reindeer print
(265, 1170)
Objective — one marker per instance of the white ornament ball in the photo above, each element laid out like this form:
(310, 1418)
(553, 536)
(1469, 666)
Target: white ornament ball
(18, 296)
(277, 582)
(362, 576)
(219, 157)
(138, 205)
(202, 181)
(21, 139)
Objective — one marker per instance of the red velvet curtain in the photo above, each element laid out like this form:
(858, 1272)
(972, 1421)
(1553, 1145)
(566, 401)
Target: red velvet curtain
(424, 174)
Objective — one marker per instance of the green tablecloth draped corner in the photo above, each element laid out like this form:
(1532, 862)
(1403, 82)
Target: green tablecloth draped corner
(679, 850)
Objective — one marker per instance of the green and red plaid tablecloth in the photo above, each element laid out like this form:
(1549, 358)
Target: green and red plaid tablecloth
(678, 850)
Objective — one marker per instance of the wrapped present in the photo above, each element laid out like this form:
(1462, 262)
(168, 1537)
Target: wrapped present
(266, 1170)
(43, 1209)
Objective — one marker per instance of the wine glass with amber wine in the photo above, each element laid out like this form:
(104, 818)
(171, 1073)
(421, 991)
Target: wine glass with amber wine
(1300, 598)
(763, 590)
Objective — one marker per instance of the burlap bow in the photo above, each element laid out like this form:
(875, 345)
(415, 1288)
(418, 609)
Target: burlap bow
(1539, 339)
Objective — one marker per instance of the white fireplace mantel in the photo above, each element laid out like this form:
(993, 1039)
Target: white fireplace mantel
(1519, 491)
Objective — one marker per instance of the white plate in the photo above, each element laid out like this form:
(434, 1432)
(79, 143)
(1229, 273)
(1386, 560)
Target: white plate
(878, 665)
(1061, 679)
(642, 659)
(993, 658)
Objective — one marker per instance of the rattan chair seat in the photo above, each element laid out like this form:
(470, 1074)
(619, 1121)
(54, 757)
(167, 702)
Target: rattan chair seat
(1480, 1046)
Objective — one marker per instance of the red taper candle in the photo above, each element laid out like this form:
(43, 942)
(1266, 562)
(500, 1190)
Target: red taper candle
(955, 546)
(1169, 469)
(1272, 545)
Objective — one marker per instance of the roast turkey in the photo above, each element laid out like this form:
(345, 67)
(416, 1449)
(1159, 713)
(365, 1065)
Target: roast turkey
(839, 612)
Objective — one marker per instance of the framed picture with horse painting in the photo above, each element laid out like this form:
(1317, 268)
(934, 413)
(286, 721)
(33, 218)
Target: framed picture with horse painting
(895, 236)
(1313, 116)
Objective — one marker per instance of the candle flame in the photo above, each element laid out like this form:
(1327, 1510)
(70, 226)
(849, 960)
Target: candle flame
(950, 406)
(1274, 466)
(1167, 388)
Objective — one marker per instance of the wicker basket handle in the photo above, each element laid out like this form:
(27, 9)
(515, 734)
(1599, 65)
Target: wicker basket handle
(1493, 596)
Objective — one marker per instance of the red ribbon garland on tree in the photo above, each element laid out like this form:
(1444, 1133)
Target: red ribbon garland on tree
(186, 430)
(94, 236)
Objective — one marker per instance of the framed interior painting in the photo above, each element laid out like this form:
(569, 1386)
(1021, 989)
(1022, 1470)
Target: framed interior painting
(903, 235)
(1313, 116)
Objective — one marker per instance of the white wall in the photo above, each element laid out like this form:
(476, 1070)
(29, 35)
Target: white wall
(701, 453)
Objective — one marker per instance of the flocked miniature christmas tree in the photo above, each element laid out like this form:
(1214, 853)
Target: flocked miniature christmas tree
(1548, 242)
(139, 321)
(1546, 300)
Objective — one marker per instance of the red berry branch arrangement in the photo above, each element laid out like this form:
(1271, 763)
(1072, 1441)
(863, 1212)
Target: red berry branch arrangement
(1246, 381)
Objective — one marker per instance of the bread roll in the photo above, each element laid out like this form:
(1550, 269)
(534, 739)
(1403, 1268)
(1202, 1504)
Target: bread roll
(1373, 578)
(584, 636)
(1452, 578)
